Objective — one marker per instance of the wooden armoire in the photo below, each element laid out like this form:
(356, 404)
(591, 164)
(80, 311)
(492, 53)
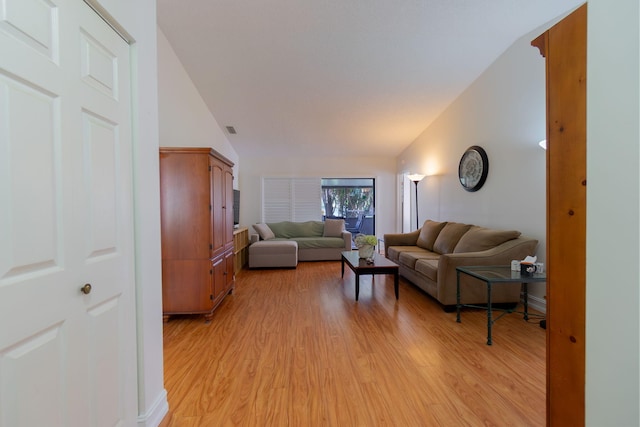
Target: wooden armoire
(196, 203)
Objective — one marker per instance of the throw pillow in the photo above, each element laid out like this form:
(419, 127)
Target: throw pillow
(333, 227)
(429, 234)
(449, 237)
(480, 239)
(264, 231)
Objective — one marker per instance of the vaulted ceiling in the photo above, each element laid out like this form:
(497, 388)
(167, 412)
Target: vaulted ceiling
(339, 77)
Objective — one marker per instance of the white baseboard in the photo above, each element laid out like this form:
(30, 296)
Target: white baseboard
(537, 303)
(154, 416)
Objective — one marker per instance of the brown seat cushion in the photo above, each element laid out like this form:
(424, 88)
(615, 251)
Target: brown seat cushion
(428, 267)
(410, 258)
(393, 252)
(429, 234)
(449, 237)
(480, 239)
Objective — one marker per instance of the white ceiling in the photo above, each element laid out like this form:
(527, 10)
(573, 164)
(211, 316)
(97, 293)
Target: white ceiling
(340, 77)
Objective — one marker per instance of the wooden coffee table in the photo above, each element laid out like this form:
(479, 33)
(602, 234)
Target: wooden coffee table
(380, 265)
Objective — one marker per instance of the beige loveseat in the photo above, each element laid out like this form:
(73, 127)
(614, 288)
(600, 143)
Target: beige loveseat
(428, 257)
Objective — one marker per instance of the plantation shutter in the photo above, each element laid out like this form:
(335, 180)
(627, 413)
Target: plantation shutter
(276, 199)
(291, 199)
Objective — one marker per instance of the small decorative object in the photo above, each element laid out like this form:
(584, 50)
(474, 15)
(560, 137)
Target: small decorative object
(473, 168)
(366, 245)
(527, 269)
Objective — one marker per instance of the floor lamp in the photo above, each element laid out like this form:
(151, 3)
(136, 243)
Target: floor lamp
(416, 178)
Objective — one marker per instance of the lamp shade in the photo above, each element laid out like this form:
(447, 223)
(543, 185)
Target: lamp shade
(415, 177)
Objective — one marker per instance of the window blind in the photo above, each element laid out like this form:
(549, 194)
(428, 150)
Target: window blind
(291, 199)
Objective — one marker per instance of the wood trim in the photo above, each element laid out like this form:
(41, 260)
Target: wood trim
(541, 43)
(564, 46)
(202, 150)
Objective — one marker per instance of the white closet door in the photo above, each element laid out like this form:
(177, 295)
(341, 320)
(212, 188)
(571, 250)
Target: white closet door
(67, 358)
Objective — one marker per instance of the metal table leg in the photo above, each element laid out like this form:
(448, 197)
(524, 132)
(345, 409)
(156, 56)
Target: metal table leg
(489, 321)
(526, 301)
(457, 296)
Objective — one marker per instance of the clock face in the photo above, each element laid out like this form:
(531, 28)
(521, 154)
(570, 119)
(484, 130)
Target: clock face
(473, 168)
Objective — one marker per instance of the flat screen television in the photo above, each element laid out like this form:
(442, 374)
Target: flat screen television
(236, 207)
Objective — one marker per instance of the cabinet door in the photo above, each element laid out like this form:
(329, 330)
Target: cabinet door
(228, 208)
(230, 269)
(217, 206)
(219, 286)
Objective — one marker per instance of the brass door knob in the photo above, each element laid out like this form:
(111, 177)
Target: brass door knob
(86, 289)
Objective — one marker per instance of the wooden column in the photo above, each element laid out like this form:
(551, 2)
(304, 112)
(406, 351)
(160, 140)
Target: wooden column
(565, 49)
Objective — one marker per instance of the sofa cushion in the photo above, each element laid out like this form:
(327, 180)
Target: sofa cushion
(333, 227)
(264, 231)
(289, 229)
(480, 239)
(410, 259)
(429, 234)
(393, 252)
(318, 242)
(428, 267)
(449, 237)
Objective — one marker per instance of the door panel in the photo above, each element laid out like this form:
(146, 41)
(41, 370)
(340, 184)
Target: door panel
(30, 224)
(105, 380)
(33, 374)
(98, 66)
(33, 22)
(65, 218)
(100, 146)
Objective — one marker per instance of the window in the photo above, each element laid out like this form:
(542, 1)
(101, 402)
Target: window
(314, 199)
(352, 199)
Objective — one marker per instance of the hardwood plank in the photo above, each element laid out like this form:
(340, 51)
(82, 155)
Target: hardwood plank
(293, 347)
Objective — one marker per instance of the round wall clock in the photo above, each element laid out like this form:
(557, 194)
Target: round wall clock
(473, 168)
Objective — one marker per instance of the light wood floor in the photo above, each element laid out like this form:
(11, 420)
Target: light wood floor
(293, 348)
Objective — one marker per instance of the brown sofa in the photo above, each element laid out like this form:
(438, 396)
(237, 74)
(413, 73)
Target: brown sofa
(428, 257)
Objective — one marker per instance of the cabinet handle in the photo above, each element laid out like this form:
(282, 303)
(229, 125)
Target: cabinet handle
(86, 289)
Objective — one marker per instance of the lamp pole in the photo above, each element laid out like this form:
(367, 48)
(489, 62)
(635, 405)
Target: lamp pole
(416, 178)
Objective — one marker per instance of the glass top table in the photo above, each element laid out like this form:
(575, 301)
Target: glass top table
(496, 274)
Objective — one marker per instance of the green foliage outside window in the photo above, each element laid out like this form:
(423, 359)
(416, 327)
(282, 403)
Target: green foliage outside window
(347, 202)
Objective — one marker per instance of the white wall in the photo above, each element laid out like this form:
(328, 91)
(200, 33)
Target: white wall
(382, 169)
(185, 120)
(613, 214)
(139, 20)
(504, 112)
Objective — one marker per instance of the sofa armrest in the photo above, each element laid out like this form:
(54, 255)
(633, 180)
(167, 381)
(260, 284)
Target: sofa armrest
(346, 236)
(253, 238)
(499, 255)
(400, 239)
